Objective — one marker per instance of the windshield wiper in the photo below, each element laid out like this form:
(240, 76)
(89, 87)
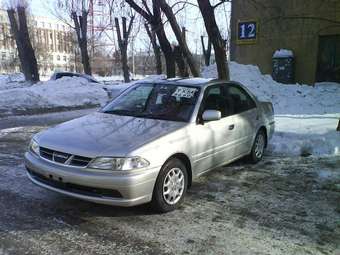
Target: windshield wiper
(123, 112)
(145, 115)
(162, 117)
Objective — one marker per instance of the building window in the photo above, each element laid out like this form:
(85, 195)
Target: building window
(64, 58)
(3, 55)
(58, 57)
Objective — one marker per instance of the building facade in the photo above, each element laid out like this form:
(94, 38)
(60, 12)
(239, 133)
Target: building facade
(311, 29)
(53, 41)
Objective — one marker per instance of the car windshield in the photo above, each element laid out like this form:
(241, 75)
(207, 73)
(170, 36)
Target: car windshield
(156, 101)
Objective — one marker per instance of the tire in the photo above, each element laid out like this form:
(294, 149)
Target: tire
(258, 147)
(171, 186)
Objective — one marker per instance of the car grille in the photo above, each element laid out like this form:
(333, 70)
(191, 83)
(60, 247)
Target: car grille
(64, 158)
(74, 188)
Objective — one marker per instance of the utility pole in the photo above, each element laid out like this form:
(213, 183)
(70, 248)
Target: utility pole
(232, 35)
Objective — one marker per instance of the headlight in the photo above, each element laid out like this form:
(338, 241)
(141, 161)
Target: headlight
(119, 163)
(34, 147)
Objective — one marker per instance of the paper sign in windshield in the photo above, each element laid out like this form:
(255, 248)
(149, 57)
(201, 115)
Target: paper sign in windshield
(184, 92)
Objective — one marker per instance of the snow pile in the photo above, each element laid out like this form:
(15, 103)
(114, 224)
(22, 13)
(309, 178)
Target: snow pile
(56, 95)
(11, 81)
(67, 92)
(306, 117)
(287, 99)
(282, 53)
(303, 135)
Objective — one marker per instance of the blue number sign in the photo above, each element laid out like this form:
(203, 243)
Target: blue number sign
(247, 32)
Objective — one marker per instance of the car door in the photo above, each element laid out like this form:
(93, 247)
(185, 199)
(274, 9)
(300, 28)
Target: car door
(214, 140)
(245, 117)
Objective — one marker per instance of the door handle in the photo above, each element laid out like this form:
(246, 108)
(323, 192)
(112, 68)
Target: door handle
(231, 127)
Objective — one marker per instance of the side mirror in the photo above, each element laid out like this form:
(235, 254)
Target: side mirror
(211, 115)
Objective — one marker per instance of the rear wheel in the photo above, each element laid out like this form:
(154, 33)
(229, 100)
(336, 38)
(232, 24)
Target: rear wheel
(258, 147)
(170, 187)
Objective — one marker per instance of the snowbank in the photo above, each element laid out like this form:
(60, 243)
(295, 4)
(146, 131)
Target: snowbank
(68, 92)
(15, 80)
(287, 99)
(63, 94)
(303, 135)
(306, 116)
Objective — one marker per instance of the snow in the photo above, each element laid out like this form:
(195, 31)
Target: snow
(283, 53)
(306, 117)
(43, 96)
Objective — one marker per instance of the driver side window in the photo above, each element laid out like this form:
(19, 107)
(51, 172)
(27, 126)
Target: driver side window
(214, 100)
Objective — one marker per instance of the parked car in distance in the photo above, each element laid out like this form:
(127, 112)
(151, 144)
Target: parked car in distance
(151, 142)
(58, 75)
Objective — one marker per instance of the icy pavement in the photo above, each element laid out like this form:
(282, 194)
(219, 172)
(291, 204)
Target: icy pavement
(279, 206)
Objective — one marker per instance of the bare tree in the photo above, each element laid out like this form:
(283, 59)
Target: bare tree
(156, 48)
(155, 20)
(123, 41)
(207, 11)
(179, 36)
(28, 62)
(206, 51)
(78, 11)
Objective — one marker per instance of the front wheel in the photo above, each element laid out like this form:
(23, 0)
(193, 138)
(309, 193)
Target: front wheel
(258, 147)
(170, 187)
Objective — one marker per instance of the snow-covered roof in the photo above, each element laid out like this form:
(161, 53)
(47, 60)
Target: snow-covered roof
(283, 53)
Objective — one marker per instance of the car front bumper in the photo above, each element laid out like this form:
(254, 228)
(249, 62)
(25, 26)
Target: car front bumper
(119, 188)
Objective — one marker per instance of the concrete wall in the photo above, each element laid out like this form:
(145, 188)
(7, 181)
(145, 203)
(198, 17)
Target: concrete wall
(288, 24)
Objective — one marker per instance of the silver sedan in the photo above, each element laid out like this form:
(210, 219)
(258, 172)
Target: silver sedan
(149, 143)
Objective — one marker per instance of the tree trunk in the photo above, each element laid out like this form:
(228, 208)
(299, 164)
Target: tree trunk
(216, 39)
(206, 51)
(80, 24)
(125, 66)
(26, 52)
(156, 49)
(85, 59)
(179, 36)
(182, 66)
(123, 41)
(167, 51)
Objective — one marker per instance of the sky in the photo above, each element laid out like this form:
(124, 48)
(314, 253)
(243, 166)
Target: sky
(189, 17)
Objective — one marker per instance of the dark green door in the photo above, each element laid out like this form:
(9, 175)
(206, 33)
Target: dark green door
(329, 59)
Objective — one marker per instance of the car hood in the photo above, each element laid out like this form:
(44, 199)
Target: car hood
(101, 134)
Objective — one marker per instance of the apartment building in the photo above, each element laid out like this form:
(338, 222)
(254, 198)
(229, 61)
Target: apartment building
(53, 41)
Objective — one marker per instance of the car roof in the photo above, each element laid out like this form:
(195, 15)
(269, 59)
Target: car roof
(196, 82)
(85, 76)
